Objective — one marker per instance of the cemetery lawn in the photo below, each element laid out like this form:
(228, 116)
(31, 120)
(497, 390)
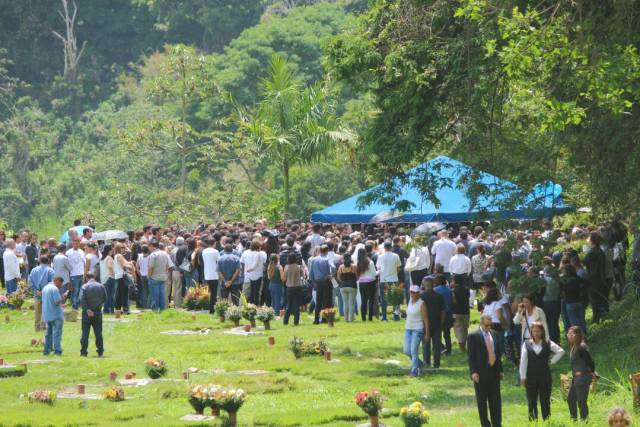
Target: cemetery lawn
(295, 392)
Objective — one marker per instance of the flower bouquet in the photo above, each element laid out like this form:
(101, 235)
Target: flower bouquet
(371, 403)
(16, 299)
(249, 312)
(197, 298)
(4, 301)
(221, 308)
(266, 315)
(234, 313)
(329, 315)
(300, 348)
(414, 415)
(198, 398)
(114, 394)
(42, 396)
(155, 368)
(231, 400)
(214, 396)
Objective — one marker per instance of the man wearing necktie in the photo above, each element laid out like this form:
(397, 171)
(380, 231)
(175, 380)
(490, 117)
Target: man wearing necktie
(485, 365)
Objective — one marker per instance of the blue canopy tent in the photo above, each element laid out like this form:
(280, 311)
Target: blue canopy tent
(455, 204)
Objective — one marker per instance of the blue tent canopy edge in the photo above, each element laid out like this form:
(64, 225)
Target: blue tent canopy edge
(543, 201)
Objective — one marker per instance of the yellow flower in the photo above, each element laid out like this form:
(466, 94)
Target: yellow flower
(403, 411)
(425, 414)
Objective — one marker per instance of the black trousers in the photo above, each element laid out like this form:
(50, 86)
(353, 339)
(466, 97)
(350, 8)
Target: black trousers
(417, 276)
(213, 294)
(122, 294)
(446, 331)
(435, 344)
(367, 296)
(488, 392)
(94, 322)
(578, 395)
(539, 389)
(324, 298)
(231, 293)
(254, 291)
(292, 296)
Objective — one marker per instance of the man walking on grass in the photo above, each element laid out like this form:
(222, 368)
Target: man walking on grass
(485, 366)
(52, 315)
(92, 296)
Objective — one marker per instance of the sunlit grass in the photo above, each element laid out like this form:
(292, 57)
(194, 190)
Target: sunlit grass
(296, 392)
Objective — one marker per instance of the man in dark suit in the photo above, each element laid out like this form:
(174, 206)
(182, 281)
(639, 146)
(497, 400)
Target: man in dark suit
(485, 354)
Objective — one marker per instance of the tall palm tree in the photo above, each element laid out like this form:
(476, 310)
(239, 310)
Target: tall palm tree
(293, 124)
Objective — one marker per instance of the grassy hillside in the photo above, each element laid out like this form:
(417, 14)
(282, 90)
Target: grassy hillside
(304, 392)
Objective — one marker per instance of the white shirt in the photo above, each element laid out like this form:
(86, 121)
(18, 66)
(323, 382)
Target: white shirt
(253, 262)
(460, 264)
(556, 354)
(93, 260)
(315, 240)
(11, 265)
(388, 265)
(76, 259)
(210, 258)
(493, 309)
(143, 264)
(420, 258)
(414, 316)
(443, 250)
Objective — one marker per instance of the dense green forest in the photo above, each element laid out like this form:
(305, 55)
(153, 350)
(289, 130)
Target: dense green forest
(122, 112)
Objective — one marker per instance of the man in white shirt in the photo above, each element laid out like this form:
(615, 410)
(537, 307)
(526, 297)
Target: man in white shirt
(387, 265)
(460, 266)
(253, 260)
(210, 257)
(76, 260)
(443, 250)
(11, 267)
(316, 239)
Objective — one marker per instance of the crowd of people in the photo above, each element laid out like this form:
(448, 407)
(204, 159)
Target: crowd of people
(299, 266)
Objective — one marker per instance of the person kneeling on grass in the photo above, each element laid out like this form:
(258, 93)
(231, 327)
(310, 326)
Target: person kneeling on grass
(92, 296)
(416, 329)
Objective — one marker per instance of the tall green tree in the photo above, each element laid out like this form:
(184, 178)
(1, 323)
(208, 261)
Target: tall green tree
(293, 124)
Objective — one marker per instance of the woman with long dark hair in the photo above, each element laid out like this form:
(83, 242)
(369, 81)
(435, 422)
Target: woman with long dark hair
(348, 280)
(537, 354)
(107, 278)
(275, 274)
(366, 272)
(120, 265)
(584, 371)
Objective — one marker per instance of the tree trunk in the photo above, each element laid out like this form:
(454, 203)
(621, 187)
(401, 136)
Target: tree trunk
(285, 176)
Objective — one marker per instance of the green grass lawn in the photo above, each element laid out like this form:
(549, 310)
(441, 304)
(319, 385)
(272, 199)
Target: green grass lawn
(295, 392)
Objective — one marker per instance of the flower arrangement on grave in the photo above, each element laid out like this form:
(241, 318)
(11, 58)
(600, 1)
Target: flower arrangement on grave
(16, 299)
(155, 368)
(371, 403)
(4, 301)
(265, 314)
(221, 308)
(42, 396)
(329, 315)
(114, 394)
(197, 298)
(231, 400)
(249, 312)
(234, 313)
(414, 415)
(198, 398)
(300, 348)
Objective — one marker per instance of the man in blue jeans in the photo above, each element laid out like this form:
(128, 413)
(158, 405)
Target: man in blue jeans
(52, 315)
(388, 266)
(11, 267)
(92, 296)
(158, 273)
